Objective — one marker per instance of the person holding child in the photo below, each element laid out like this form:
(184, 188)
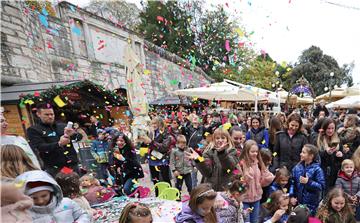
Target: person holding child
(179, 165)
(49, 203)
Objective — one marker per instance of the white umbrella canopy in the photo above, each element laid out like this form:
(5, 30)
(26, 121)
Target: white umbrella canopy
(339, 93)
(227, 92)
(347, 102)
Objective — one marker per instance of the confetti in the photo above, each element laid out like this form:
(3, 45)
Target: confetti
(19, 184)
(157, 169)
(201, 159)
(59, 102)
(180, 177)
(274, 154)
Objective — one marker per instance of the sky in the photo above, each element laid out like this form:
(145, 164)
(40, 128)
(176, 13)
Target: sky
(284, 28)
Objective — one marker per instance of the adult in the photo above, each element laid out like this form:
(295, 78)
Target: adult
(350, 134)
(81, 131)
(52, 140)
(94, 126)
(258, 133)
(331, 153)
(160, 144)
(238, 137)
(321, 111)
(12, 139)
(289, 143)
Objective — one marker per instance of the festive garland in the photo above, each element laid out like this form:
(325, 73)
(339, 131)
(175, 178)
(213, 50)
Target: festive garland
(54, 92)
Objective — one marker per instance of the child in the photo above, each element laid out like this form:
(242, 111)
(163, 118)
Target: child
(200, 208)
(284, 183)
(258, 133)
(256, 175)
(308, 178)
(336, 209)
(218, 161)
(232, 209)
(349, 181)
(238, 138)
(135, 213)
(14, 162)
(266, 157)
(100, 151)
(127, 168)
(92, 190)
(69, 181)
(301, 214)
(276, 208)
(180, 166)
(49, 204)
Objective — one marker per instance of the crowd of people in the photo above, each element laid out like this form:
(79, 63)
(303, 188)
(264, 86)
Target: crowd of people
(236, 167)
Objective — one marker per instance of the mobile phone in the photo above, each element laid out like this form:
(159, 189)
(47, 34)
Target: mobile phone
(69, 125)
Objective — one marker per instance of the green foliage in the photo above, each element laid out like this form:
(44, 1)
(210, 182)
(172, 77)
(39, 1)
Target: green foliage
(39, 5)
(316, 68)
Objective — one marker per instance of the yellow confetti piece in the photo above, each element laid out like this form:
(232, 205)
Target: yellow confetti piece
(180, 177)
(239, 32)
(274, 154)
(263, 142)
(206, 134)
(29, 101)
(66, 152)
(147, 72)
(157, 169)
(68, 145)
(228, 171)
(201, 159)
(143, 151)
(152, 158)
(19, 184)
(285, 190)
(227, 126)
(59, 102)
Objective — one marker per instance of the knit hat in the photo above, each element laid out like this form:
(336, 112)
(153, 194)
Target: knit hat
(33, 187)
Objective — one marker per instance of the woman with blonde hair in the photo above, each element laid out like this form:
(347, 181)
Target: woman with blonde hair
(14, 162)
(218, 160)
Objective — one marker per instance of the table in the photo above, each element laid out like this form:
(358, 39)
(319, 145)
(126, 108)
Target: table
(163, 211)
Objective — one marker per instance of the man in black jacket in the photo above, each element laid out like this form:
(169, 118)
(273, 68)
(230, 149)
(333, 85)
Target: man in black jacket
(52, 141)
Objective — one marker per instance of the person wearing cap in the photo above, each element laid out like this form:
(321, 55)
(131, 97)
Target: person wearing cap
(49, 203)
(52, 141)
(100, 151)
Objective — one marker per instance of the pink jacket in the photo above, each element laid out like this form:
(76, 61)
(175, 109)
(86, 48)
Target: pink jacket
(255, 180)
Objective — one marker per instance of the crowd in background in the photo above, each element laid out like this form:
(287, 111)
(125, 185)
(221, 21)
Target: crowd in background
(296, 167)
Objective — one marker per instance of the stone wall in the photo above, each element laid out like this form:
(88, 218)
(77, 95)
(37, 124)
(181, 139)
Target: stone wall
(78, 45)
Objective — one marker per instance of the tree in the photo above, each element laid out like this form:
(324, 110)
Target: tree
(317, 67)
(121, 13)
(168, 26)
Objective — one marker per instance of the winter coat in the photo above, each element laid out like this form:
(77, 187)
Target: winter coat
(59, 209)
(260, 135)
(179, 163)
(217, 167)
(100, 151)
(44, 139)
(350, 185)
(130, 167)
(23, 144)
(309, 193)
(161, 144)
(330, 164)
(288, 149)
(231, 211)
(255, 180)
(334, 217)
(14, 206)
(84, 204)
(289, 188)
(188, 216)
(194, 135)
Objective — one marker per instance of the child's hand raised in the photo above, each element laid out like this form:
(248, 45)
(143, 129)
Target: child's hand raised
(277, 215)
(192, 155)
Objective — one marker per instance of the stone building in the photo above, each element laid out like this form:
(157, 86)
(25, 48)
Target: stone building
(78, 45)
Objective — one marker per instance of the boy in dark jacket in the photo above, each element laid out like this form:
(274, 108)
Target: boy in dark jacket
(180, 166)
(100, 151)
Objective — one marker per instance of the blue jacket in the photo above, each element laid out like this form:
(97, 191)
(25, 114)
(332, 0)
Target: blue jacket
(289, 188)
(309, 193)
(260, 135)
(100, 151)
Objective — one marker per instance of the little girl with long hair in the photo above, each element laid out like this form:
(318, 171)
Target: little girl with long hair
(284, 183)
(218, 160)
(200, 208)
(256, 175)
(276, 208)
(14, 162)
(135, 213)
(336, 208)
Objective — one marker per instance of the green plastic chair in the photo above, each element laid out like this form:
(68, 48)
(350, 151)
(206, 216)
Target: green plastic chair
(171, 194)
(161, 186)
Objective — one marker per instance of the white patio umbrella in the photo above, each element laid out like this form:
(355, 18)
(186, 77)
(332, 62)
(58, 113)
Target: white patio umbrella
(347, 102)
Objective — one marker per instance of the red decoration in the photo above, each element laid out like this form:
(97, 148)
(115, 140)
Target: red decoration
(66, 170)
